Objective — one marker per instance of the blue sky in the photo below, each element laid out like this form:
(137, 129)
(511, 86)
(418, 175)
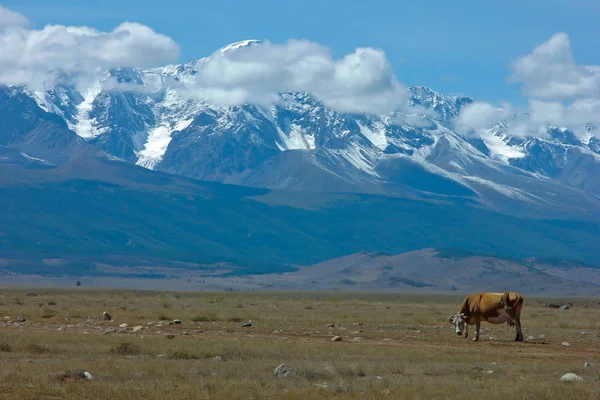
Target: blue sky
(460, 47)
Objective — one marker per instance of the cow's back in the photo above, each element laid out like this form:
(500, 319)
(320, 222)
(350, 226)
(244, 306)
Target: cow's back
(487, 304)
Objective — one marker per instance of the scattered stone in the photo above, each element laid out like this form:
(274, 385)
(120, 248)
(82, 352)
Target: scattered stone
(331, 326)
(490, 371)
(31, 294)
(73, 376)
(137, 328)
(106, 316)
(247, 325)
(161, 355)
(378, 377)
(29, 361)
(67, 319)
(177, 321)
(320, 385)
(542, 336)
(565, 307)
(530, 338)
(357, 339)
(123, 326)
(336, 339)
(20, 319)
(218, 358)
(357, 324)
(571, 377)
(284, 370)
(109, 330)
(565, 344)
(170, 336)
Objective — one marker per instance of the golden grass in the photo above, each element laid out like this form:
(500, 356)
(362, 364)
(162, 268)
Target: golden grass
(407, 348)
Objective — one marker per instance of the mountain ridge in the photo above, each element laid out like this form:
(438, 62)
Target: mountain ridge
(143, 117)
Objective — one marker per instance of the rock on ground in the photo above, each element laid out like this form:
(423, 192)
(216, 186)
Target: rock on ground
(284, 370)
(336, 339)
(571, 377)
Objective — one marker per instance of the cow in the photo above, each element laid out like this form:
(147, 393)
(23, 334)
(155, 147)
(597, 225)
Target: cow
(495, 308)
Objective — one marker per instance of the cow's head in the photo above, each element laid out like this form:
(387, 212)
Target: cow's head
(460, 323)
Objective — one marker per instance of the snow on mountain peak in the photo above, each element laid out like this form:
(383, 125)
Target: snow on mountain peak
(238, 45)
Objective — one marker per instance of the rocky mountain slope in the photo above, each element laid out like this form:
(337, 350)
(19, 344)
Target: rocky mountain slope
(80, 214)
(143, 117)
(131, 171)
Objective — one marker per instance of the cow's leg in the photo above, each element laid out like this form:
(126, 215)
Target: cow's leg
(477, 328)
(517, 318)
(519, 337)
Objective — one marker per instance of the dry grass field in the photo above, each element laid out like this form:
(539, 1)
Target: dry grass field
(393, 346)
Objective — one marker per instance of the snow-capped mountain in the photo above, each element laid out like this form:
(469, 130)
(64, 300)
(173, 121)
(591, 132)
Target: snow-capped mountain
(302, 144)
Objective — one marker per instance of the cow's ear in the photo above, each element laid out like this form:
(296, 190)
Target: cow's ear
(451, 319)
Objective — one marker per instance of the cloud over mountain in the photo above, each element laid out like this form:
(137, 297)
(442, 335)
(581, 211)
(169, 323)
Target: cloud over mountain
(560, 92)
(361, 81)
(550, 72)
(39, 58)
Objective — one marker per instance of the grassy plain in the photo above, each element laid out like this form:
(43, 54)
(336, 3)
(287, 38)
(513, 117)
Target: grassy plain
(407, 349)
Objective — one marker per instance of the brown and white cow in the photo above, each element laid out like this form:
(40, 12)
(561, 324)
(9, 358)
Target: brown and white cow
(495, 308)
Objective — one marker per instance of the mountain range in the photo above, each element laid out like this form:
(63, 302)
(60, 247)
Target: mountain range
(134, 141)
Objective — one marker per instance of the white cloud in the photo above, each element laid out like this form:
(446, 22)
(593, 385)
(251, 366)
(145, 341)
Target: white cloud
(550, 72)
(560, 93)
(361, 81)
(479, 116)
(574, 116)
(10, 18)
(40, 57)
